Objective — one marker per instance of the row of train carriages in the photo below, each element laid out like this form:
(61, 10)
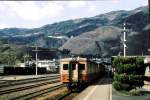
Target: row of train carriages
(23, 70)
(9, 70)
(28, 69)
(79, 72)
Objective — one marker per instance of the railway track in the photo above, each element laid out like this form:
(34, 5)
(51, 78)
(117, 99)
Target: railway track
(35, 94)
(20, 88)
(64, 96)
(30, 88)
(26, 81)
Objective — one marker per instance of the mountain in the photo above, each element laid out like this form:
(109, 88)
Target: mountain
(110, 35)
(91, 36)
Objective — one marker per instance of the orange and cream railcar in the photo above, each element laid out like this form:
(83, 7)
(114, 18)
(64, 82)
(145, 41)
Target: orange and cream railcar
(78, 71)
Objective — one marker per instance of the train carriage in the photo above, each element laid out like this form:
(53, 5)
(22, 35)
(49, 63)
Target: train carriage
(76, 72)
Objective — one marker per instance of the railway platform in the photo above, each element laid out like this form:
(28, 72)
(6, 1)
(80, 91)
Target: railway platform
(21, 77)
(101, 90)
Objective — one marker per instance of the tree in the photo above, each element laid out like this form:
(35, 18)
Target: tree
(8, 58)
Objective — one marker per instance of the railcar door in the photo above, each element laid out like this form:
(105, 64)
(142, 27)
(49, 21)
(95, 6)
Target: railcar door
(73, 72)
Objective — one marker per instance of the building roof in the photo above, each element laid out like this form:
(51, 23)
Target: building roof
(73, 59)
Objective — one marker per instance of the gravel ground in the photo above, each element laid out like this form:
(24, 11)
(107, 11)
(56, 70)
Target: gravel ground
(53, 95)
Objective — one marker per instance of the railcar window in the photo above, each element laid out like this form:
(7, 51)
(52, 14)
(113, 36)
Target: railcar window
(73, 66)
(81, 66)
(65, 66)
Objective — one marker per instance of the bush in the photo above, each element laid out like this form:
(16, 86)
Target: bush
(129, 72)
(121, 86)
(117, 85)
(136, 80)
(131, 65)
(121, 77)
(132, 80)
(126, 68)
(140, 61)
(126, 60)
(134, 92)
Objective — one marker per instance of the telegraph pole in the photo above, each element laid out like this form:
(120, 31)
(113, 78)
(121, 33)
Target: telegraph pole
(149, 7)
(149, 23)
(124, 40)
(36, 57)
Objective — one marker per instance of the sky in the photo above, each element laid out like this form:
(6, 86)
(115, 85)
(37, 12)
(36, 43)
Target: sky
(34, 14)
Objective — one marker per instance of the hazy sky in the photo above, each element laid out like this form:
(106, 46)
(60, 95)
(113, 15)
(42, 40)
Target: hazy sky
(32, 14)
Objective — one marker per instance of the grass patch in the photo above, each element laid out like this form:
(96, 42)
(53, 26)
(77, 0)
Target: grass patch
(132, 92)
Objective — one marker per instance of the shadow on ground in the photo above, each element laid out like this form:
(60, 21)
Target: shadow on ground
(105, 80)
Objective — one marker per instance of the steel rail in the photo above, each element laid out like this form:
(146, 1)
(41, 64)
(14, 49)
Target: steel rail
(26, 87)
(38, 93)
(26, 81)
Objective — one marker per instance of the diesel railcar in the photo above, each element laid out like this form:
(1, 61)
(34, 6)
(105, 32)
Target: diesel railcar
(78, 72)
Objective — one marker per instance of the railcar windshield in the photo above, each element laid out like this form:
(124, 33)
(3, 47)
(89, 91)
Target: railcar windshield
(81, 66)
(65, 66)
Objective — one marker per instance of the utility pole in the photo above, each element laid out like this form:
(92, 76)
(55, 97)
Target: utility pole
(36, 59)
(25, 59)
(149, 23)
(149, 7)
(99, 49)
(124, 40)
(36, 50)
